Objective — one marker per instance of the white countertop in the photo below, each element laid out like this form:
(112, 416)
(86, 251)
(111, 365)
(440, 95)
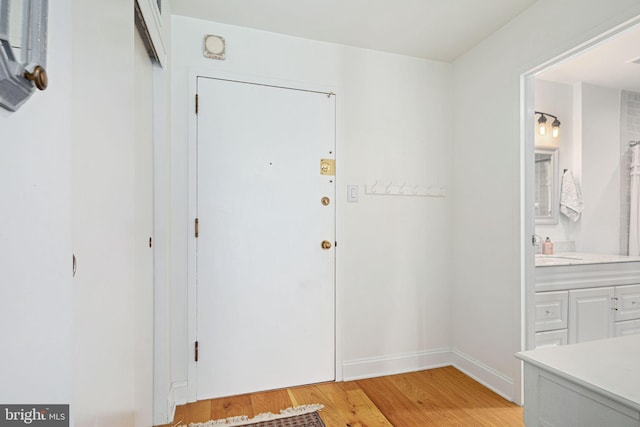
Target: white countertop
(580, 258)
(610, 367)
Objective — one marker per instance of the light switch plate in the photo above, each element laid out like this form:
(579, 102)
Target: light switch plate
(352, 193)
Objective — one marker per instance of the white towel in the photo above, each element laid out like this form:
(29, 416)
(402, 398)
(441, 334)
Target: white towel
(570, 197)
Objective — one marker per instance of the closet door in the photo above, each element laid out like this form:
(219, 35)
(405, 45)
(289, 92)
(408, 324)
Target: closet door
(35, 236)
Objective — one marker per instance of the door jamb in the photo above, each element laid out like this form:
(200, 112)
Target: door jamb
(527, 152)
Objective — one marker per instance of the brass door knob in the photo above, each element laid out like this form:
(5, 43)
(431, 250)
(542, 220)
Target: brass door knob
(39, 77)
(326, 244)
(325, 201)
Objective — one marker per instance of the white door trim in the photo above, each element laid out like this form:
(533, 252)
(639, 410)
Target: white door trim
(193, 74)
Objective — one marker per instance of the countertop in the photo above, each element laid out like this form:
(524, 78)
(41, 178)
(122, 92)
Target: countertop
(609, 367)
(578, 258)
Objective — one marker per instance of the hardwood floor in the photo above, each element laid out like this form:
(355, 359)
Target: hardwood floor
(437, 397)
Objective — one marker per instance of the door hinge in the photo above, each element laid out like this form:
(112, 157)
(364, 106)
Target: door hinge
(196, 104)
(197, 227)
(196, 351)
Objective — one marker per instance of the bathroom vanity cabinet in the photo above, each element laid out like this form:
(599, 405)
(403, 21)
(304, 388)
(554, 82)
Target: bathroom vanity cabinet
(585, 302)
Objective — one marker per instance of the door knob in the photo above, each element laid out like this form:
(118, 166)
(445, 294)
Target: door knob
(326, 244)
(38, 76)
(325, 201)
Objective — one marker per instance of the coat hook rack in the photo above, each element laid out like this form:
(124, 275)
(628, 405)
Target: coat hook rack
(404, 189)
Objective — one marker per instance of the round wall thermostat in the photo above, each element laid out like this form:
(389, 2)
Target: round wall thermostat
(214, 47)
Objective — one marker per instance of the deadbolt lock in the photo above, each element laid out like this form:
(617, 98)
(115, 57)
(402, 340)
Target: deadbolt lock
(327, 167)
(325, 201)
(326, 244)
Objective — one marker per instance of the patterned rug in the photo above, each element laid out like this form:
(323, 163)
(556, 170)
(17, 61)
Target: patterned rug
(300, 416)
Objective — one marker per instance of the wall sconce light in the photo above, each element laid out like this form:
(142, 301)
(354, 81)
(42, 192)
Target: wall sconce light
(542, 124)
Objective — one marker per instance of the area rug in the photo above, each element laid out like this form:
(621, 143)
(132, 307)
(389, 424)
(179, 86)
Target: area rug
(300, 416)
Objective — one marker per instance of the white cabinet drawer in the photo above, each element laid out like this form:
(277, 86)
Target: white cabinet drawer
(627, 302)
(629, 327)
(551, 338)
(551, 310)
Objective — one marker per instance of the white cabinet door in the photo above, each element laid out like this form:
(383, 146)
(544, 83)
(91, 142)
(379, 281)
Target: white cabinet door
(627, 302)
(590, 314)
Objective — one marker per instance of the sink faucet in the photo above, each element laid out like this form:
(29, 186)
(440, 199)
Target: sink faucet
(536, 240)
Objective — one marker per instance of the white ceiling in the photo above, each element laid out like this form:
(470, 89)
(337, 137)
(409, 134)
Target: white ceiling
(609, 64)
(434, 29)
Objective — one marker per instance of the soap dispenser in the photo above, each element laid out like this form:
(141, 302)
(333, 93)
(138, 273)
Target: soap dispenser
(547, 247)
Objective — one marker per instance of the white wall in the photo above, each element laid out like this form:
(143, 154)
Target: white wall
(487, 236)
(394, 121)
(35, 234)
(601, 169)
(594, 159)
(557, 99)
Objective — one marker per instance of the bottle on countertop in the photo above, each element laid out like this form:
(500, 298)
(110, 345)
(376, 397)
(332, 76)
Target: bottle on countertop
(547, 247)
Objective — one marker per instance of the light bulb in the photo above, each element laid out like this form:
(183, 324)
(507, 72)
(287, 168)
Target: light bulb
(542, 125)
(556, 128)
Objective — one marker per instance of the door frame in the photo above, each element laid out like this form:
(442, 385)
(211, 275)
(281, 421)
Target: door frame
(527, 145)
(341, 196)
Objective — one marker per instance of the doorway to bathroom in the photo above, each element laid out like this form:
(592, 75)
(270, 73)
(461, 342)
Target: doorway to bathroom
(593, 92)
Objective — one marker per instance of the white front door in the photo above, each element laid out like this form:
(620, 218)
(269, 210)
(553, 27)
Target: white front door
(265, 284)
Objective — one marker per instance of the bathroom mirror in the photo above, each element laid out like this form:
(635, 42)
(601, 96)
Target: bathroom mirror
(546, 203)
(23, 50)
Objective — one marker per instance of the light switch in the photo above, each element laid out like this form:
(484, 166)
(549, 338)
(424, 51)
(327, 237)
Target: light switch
(352, 193)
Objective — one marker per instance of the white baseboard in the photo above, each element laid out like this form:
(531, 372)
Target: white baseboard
(485, 375)
(396, 364)
(399, 364)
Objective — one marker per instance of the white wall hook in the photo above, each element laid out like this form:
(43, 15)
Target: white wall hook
(406, 189)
